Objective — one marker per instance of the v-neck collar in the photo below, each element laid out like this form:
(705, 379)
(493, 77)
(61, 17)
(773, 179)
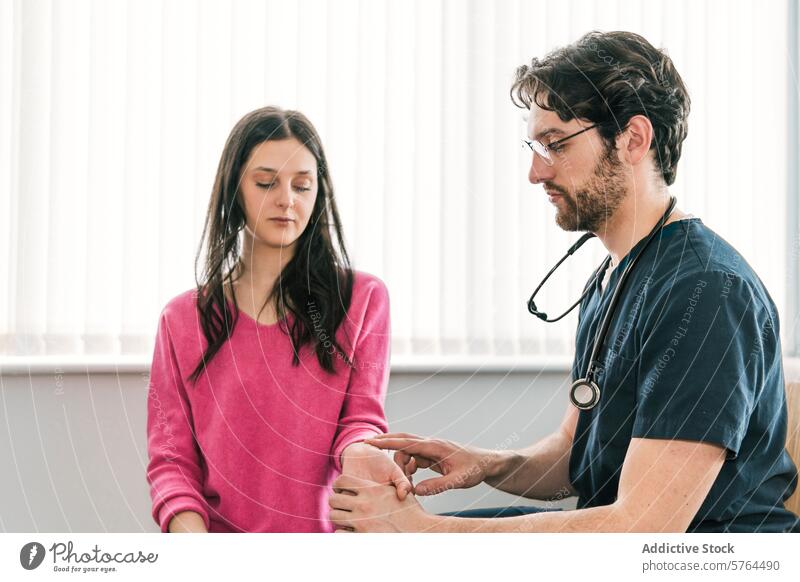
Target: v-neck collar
(632, 253)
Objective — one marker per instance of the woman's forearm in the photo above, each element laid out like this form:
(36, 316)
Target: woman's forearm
(540, 471)
(187, 522)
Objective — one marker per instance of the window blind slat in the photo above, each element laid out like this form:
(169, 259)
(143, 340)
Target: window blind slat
(113, 116)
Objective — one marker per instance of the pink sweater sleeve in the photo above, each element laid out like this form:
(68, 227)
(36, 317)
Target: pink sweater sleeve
(174, 472)
(362, 413)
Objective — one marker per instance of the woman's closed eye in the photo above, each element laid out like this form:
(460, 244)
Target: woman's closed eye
(270, 185)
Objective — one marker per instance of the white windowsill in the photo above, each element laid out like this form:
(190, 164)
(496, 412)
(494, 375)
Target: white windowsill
(472, 364)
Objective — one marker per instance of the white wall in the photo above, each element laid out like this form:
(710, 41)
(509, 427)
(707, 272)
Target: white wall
(73, 447)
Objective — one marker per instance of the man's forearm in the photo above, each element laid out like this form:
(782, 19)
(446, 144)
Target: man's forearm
(608, 518)
(540, 471)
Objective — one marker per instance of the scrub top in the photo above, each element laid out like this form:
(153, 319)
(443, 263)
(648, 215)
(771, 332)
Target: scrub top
(693, 353)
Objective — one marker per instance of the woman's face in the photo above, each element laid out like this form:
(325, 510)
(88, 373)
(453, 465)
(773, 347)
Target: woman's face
(278, 189)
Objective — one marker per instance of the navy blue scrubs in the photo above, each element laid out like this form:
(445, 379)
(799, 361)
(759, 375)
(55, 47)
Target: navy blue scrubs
(693, 353)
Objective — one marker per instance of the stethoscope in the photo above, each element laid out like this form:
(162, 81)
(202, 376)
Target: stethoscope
(585, 393)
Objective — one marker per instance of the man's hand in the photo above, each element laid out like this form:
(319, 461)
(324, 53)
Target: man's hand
(460, 467)
(367, 462)
(358, 505)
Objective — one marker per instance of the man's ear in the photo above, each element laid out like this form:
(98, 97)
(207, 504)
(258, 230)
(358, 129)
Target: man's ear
(634, 142)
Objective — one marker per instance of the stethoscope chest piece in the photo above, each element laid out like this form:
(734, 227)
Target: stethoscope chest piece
(584, 394)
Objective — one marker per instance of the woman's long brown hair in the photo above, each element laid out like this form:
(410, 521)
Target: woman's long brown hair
(319, 273)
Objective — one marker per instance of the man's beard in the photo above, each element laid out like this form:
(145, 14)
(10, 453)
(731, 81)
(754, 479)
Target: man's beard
(596, 200)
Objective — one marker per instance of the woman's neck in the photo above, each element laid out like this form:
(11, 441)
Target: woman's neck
(257, 272)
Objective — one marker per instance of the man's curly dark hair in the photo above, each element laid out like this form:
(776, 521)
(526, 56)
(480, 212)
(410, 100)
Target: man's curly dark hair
(607, 78)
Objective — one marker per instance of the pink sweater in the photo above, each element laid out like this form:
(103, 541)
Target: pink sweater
(256, 443)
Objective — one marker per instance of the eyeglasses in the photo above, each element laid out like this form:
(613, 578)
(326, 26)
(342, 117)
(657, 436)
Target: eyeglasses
(544, 150)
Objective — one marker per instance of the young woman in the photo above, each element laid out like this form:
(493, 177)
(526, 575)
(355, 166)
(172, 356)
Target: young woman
(267, 377)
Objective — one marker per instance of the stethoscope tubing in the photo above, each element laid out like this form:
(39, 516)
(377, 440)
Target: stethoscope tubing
(587, 385)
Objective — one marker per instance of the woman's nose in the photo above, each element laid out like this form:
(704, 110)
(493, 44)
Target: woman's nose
(285, 197)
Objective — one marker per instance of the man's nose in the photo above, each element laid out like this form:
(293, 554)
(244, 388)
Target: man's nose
(539, 171)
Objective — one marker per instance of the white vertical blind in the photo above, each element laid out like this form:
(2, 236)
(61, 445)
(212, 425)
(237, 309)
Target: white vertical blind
(113, 115)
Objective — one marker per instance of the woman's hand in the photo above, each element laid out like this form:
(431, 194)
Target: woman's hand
(358, 505)
(187, 522)
(461, 467)
(372, 464)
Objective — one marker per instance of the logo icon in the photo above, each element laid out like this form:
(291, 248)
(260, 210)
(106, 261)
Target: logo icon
(31, 555)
